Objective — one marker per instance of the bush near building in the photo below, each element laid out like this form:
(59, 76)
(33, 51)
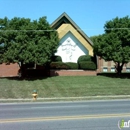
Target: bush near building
(72, 65)
(87, 62)
(58, 65)
(84, 58)
(61, 65)
(56, 59)
(87, 65)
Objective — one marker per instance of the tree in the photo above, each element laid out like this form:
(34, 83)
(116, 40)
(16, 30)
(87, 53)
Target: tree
(114, 45)
(24, 41)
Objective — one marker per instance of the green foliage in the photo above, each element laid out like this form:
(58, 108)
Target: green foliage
(1, 52)
(84, 58)
(56, 58)
(87, 65)
(94, 59)
(114, 45)
(58, 65)
(72, 65)
(61, 65)
(27, 41)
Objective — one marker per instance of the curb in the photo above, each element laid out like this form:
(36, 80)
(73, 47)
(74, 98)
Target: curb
(67, 98)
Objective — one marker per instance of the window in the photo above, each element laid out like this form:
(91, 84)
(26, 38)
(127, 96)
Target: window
(127, 69)
(104, 69)
(112, 69)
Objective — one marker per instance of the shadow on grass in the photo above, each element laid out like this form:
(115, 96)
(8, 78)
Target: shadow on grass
(115, 75)
(41, 77)
(32, 78)
(31, 75)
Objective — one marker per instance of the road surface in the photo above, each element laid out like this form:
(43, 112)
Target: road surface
(83, 115)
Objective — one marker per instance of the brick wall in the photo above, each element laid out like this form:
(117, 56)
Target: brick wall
(72, 73)
(109, 65)
(9, 70)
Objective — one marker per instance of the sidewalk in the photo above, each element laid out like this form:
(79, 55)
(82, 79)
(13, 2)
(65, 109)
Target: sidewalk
(67, 98)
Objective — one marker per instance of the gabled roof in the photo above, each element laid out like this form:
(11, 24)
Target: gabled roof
(64, 29)
(64, 18)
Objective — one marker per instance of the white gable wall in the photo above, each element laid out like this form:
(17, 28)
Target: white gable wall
(70, 48)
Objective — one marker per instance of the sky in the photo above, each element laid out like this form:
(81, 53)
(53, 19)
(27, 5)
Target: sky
(89, 15)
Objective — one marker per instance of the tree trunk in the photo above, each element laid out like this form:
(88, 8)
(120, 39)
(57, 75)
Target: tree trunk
(119, 68)
(22, 70)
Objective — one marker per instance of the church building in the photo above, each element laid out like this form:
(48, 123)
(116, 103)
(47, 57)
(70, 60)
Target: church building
(73, 44)
(73, 41)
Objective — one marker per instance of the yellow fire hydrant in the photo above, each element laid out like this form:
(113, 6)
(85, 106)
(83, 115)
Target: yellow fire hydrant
(34, 95)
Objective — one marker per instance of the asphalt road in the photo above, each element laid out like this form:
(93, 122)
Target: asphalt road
(89, 115)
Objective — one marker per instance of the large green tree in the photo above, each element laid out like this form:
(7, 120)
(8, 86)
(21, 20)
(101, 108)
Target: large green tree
(24, 41)
(114, 44)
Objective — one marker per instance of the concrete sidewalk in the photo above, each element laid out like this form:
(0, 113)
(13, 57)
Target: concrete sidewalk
(67, 98)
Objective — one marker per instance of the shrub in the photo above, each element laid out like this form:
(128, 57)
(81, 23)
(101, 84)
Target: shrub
(87, 65)
(61, 65)
(56, 59)
(84, 58)
(58, 65)
(72, 65)
(94, 59)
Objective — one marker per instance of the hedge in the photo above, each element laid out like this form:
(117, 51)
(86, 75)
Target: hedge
(58, 65)
(72, 65)
(56, 59)
(84, 58)
(87, 65)
(61, 65)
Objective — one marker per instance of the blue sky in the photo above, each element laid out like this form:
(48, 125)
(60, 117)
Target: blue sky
(89, 15)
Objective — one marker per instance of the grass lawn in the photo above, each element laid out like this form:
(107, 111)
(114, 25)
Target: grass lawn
(73, 86)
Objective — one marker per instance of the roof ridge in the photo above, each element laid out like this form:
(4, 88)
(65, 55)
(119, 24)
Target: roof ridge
(64, 14)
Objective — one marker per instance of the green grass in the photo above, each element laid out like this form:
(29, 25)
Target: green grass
(73, 86)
